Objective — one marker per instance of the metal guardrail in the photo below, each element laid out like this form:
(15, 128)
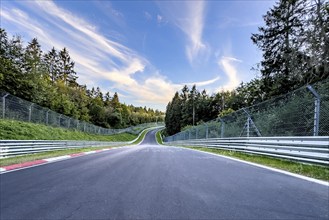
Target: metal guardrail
(308, 149)
(10, 148)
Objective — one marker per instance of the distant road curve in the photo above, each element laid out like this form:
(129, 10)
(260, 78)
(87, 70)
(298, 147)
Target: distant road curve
(149, 181)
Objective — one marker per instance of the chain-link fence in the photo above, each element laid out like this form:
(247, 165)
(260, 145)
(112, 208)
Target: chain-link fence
(15, 108)
(303, 112)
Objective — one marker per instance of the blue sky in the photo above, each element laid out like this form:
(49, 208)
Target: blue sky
(146, 50)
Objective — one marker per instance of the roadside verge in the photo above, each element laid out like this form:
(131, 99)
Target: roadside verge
(31, 160)
(313, 173)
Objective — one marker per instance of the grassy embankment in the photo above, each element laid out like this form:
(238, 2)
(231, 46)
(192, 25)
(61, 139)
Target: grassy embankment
(310, 170)
(16, 130)
(158, 137)
(141, 137)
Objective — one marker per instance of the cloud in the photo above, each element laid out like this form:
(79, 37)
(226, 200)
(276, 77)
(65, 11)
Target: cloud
(159, 18)
(232, 22)
(189, 18)
(229, 68)
(147, 15)
(203, 83)
(98, 58)
(194, 29)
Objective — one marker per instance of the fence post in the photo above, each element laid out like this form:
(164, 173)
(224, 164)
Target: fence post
(248, 126)
(47, 116)
(207, 130)
(222, 128)
(189, 134)
(4, 105)
(316, 110)
(84, 127)
(248, 123)
(196, 133)
(68, 124)
(59, 120)
(30, 112)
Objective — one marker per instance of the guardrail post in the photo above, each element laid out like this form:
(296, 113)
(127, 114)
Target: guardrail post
(4, 105)
(316, 110)
(30, 112)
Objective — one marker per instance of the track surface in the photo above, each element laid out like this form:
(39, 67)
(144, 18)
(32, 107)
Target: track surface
(157, 182)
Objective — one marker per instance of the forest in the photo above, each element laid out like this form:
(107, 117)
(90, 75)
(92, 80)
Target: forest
(295, 46)
(50, 80)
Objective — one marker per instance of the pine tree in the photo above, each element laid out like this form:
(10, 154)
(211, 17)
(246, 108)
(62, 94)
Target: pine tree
(12, 64)
(280, 42)
(107, 101)
(115, 101)
(193, 99)
(67, 74)
(52, 60)
(33, 61)
(316, 37)
(186, 113)
(173, 115)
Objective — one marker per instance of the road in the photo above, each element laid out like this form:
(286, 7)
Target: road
(157, 182)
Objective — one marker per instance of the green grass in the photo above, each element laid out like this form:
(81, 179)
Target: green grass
(158, 137)
(17, 130)
(141, 137)
(314, 171)
(49, 154)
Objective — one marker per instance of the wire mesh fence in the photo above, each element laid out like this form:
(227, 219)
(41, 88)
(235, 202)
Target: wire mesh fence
(303, 112)
(15, 108)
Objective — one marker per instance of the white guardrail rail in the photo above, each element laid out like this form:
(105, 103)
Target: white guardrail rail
(308, 149)
(10, 148)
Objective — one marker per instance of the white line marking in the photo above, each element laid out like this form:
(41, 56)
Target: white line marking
(57, 158)
(49, 161)
(269, 168)
(23, 168)
(90, 152)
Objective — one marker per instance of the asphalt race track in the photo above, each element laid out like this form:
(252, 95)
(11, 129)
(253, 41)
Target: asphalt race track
(150, 181)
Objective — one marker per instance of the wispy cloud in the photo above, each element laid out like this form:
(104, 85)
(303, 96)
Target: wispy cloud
(230, 70)
(189, 18)
(193, 29)
(98, 58)
(204, 83)
(159, 18)
(232, 22)
(147, 15)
